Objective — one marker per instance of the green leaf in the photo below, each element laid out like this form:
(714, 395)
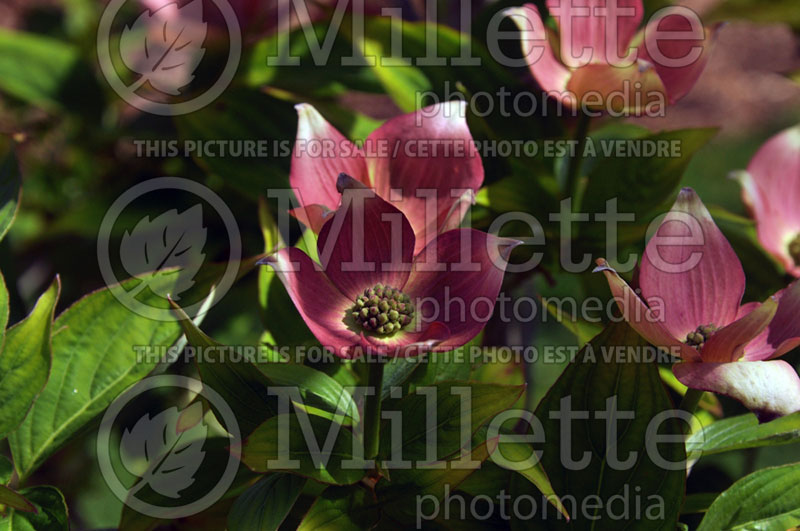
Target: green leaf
(315, 387)
(341, 509)
(521, 452)
(698, 503)
(248, 117)
(265, 505)
(51, 512)
(267, 445)
(737, 433)
(14, 499)
(443, 366)
(245, 389)
(594, 377)
(405, 82)
(45, 72)
(25, 360)
(311, 78)
(94, 360)
(396, 371)
(6, 470)
(640, 184)
(451, 400)
(766, 499)
(242, 387)
(4, 311)
(10, 189)
(402, 83)
(583, 331)
(401, 496)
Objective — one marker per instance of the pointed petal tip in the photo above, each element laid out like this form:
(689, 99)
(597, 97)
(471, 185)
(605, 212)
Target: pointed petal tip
(645, 66)
(602, 266)
(688, 201)
(269, 260)
(505, 246)
(740, 176)
(346, 182)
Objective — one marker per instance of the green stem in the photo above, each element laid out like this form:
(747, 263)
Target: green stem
(372, 409)
(575, 163)
(691, 399)
(689, 403)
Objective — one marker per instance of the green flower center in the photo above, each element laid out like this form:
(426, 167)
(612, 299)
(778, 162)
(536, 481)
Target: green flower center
(698, 338)
(383, 310)
(794, 250)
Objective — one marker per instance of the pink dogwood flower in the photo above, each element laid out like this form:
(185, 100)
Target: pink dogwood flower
(600, 59)
(371, 294)
(771, 189)
(692, 275)
(425, 163)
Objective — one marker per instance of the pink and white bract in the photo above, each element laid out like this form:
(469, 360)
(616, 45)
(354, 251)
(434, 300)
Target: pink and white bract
(691, 273)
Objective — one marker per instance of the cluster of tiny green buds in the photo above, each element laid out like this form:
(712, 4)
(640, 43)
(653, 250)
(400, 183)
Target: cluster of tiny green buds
(699, 337)
(383, 310)
(794, 250)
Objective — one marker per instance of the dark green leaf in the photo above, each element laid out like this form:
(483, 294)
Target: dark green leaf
(641, 184)
(242, 387)
(51, 512)
(588, 383)
(6, 470)
(401, 496)
(314, 460)
(449, 402)
(265, 505)
(341, 509)
(698, 503)
(15, 500)
(10, 188)
(244, 116)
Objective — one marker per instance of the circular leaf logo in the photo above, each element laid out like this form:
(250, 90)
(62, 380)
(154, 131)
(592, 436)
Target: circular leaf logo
(162, 49)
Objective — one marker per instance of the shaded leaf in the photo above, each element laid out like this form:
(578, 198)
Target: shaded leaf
(15, 500)
(265, 505)
(10, 189)
(341, 509)
(597, 383)
(451, 404)
(51, 512)
(281, 439)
